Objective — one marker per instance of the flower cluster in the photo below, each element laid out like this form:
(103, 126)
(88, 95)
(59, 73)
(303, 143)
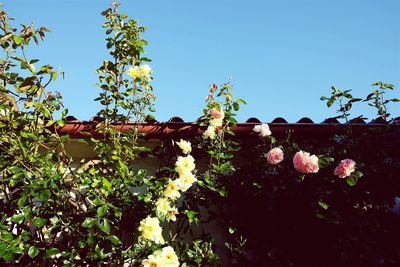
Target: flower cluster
(305, 163)
(345, 168)
(217, 115)
(150, 226)
(140, 72)
(166, 257)
(184, 166)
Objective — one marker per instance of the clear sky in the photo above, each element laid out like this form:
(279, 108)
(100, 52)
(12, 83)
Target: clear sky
(281, 56)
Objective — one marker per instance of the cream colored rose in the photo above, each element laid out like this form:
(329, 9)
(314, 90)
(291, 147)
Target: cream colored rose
(216, 123)
(166, 257)
(140, 72)
(134, 72)
(146, 71)
(172, 190)
(162, 205)
(209, 133)
(152, 261)
(151, 230)
(186, 146)
(184, 165)
(185, 181)
(169, 257)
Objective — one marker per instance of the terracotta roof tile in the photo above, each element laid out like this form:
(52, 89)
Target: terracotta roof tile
(176, 127)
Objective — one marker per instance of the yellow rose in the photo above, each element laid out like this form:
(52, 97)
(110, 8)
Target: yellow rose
(162, 205)
(172, 190)
(153, 261)
(169, 257)
(146, 71)
(209, 133)
(134, 72)
(186, 146)
(185, 181)
(184, 165)
(216, 122)
(151, 230)
(141, 72)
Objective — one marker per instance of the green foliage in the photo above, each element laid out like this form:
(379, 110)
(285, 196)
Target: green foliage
(375, 99)
(344, 99)
(119, 92)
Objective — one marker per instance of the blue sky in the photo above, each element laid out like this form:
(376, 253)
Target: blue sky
(281, 56)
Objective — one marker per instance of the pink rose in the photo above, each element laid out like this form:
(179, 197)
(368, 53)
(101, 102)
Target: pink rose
(274, 156)
(218, 114)
(345, 168)
(304, 163)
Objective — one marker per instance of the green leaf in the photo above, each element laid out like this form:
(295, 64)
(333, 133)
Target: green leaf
(54, 76)
(17, 250)
(106, 183)
(89, 222)
(357, 174)
(222, 192)
(8, 256)
(64, 113)
(44, 195)
(192, 215)
(241, 101)
(145, 59)
(33, 251)
(6, 236)
(235, 106)
(101, 211)
(61, 122)
(17, 218)
(17, 39)
(352, 181)
(104, 225)
(323, 205)
(325, 161)
(51, 252)
(39, 222)
(21, 201)
(46, 112)
(114, 239)
(330, 102)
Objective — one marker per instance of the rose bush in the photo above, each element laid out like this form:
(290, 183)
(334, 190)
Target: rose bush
(270, 210)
